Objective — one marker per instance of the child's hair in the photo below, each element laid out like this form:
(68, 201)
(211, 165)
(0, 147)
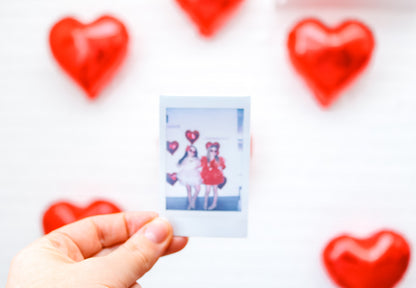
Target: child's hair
(186, 153)
(216, 145)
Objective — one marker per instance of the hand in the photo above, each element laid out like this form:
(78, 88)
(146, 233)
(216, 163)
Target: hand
(98, 252)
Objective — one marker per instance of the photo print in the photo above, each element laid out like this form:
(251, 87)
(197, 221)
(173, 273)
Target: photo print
(205, 164)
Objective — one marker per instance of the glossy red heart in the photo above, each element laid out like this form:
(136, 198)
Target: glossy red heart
(209, 15)
(330, 59)
(172, 146)
(209, 144)
(171, 178)
(379, 261)
(62, 213)
(221, 185)
(192, 136)
(90, 53)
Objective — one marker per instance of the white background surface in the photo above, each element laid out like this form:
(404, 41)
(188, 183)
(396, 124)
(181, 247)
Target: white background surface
(314, 173)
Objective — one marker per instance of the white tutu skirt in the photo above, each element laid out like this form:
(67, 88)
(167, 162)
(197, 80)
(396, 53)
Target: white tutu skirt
(191, 178)
(188, 173)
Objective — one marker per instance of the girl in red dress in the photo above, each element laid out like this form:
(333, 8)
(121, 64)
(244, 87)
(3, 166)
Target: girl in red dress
(212, 166)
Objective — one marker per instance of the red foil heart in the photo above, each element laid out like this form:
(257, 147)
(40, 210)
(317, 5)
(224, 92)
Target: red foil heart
(192, 136)
(90, 53)
(172, 146)
(330, 59)
(379, 261)
(209, 15)
(216, 144)
(171, 178)
(62, 213)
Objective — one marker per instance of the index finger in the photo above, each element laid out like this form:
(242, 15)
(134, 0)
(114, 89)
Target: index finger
(90, 235)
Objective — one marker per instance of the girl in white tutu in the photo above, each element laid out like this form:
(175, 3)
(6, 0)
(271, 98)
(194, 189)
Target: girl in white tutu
(189, 174)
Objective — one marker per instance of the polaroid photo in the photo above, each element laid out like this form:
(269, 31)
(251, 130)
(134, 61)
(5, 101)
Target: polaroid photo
(204, 164)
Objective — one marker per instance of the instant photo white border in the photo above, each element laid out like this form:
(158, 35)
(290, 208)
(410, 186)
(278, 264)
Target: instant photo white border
(207, 223)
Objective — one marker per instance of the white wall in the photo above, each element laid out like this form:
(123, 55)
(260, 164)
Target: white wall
(314, 173)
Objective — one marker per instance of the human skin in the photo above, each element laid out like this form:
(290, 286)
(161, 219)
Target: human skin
(107, 251)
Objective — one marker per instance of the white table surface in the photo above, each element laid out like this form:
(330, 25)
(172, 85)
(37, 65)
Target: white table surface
(314, 173)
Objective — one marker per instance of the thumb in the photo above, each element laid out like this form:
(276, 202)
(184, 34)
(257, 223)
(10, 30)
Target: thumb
(137, 255)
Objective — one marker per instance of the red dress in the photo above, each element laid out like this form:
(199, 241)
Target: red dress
(212, 171)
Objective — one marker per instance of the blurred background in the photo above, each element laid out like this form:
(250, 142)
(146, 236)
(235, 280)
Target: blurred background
(314, 173)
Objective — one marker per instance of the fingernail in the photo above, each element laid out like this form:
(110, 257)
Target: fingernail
(157, 231)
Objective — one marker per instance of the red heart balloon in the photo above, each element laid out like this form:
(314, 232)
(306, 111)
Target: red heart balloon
(172, 146)
(62, 213)
(209, 15)
(192, 136)
(209, 144)
(171, 178)
(379, 261)
(329, 59)
(89, 53)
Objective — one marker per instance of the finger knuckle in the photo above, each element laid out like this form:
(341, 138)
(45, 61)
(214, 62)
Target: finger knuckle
(140, 257)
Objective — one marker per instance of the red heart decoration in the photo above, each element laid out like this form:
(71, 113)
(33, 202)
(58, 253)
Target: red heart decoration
(192, 136)
(221, 185)
(209, 144)
(209, 15)
(329, 59)
(62, 213)
(172, 146)
(171, 178)
(89, 53)
(379, 261)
